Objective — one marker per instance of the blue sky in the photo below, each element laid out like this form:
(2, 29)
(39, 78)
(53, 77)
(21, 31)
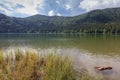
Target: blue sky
(24, 8)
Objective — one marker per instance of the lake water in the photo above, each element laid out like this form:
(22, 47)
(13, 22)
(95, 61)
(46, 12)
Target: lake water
(86, 51)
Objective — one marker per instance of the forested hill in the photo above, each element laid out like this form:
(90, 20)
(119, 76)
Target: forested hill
(96, 21)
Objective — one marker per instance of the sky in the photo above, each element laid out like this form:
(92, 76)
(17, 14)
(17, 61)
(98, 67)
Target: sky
(25, 8)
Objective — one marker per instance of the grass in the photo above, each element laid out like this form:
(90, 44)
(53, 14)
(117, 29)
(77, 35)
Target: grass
(33, 66)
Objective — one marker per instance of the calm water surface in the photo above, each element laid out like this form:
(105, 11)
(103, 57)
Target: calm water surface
(86, 51)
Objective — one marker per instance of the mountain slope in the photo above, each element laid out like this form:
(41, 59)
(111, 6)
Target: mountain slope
(96, 21)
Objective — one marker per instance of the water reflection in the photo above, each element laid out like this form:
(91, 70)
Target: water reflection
(96, 44)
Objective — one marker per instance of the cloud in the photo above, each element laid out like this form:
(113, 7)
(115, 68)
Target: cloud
(3, 10)
(68, 6)
(72, 6)
(58, 2)
(98, 4)
(19, 6)
(51, 13)
(29, 11)
(58, 14)
(28, 7)
(53, 7)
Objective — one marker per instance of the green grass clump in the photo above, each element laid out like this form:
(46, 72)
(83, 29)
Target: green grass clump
(31, 66)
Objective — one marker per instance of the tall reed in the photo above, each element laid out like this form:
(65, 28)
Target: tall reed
(30, 65)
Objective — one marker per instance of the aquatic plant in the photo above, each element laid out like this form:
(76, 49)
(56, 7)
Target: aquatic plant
(30, 65)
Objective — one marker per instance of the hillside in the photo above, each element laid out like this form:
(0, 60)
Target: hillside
(96, 21)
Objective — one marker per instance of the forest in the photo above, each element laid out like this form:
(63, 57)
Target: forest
(102, 21)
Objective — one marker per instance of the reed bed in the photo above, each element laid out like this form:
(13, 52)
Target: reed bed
(34, 66)
(31, 66)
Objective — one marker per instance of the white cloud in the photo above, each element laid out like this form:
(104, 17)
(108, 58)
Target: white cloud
(5, 10)
(58, 2)
(30, 6)
(68, 6)
(58, 14)
(51, 13)
(98, 4)
(29, 11)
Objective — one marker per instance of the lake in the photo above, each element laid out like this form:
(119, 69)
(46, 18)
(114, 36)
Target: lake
(86, 51)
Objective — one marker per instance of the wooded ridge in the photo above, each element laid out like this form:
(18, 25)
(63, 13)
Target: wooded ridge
(105, 21)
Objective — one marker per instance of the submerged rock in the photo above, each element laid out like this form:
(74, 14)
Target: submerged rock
(101, 68)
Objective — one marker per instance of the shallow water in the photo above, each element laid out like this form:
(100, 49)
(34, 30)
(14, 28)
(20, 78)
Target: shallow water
(86, 51)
